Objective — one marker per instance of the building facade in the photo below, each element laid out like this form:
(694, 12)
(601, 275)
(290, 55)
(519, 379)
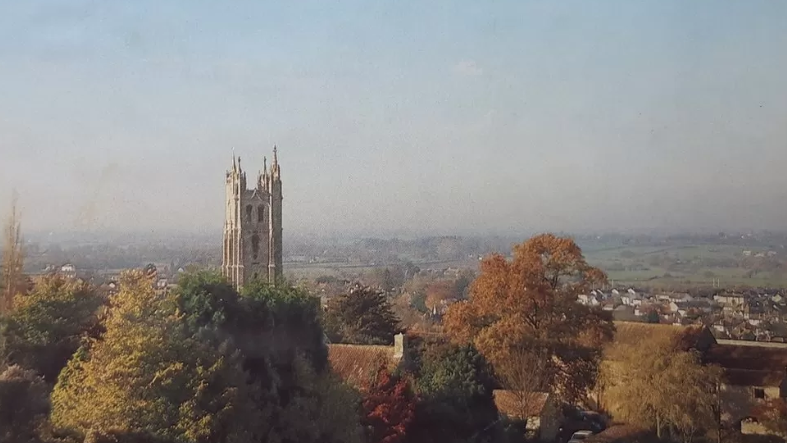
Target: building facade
(252, 247)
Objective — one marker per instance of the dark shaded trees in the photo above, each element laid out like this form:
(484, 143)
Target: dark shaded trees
(454, 385)
(364, 316)
(277, 332)
(47, 325)
(24, 403)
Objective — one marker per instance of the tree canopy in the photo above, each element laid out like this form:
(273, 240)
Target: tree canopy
(659, 384)
(46, 326)
(388, 408)
(454, 385)
(24, 404)
(364, 316)
(529, 304)
(206, 364)
(149, 375)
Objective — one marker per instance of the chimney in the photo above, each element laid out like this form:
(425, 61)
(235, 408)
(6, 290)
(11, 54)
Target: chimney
(400, 347)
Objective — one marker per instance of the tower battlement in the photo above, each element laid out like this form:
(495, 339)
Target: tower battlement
(252, 246)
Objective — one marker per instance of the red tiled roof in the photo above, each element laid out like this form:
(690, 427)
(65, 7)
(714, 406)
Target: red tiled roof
(358, 364)
(509, 403)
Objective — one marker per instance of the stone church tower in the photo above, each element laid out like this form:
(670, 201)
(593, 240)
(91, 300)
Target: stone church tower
(252, 225)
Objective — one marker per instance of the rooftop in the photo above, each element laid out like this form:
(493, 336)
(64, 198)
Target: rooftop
(358, 364)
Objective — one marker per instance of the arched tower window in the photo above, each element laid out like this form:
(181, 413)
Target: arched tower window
(260, 213)
(255, 246)
(248, 213)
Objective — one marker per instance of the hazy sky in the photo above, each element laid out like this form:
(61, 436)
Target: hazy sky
(431, 115)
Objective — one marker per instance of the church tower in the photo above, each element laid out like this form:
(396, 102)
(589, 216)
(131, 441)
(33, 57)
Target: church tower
(252, 247)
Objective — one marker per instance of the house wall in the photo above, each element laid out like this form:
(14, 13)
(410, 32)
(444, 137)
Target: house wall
(737, 402)
(752, 427)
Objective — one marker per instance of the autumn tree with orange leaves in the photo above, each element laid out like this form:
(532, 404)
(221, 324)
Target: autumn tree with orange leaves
(529, 304)
(388, 408)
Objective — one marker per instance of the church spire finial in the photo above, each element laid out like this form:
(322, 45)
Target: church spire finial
(275, 155)
(234, 163)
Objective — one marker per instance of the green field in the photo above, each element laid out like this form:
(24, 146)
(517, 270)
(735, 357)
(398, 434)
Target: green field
(672, 266)
(695, 265)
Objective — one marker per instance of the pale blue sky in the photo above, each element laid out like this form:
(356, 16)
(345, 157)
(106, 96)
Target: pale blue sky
(439, 115)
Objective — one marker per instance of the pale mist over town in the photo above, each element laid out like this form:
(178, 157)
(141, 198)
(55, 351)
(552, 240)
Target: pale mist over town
(441, 118)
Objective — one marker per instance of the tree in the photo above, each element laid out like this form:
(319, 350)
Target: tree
(281, 342)
(11, 277)
(364, 316)
(525, 376)
(319, 408)
(462, 284)
(454, 385)
(46, 326)
(24, 404)
(773, 415)
(388, 408)
(659, 384)
(149, 375)
(387, 279)
(529, 304)
(437, 292)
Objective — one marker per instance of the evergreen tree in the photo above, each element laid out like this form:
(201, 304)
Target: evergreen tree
(364, 316)
(46, 325)
(454, 385)
(278, 333)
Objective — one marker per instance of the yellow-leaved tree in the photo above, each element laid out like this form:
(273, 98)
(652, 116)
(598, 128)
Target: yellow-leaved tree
(660, 383)
(149, 375)
(12, 280)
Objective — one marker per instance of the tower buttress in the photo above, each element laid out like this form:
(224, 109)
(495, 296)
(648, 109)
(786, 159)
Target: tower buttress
(275, 261)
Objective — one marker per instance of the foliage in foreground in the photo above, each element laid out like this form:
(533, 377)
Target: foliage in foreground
(454, 385)
(47, 324)
(206, 365)
(388, 408)
(24, 404)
